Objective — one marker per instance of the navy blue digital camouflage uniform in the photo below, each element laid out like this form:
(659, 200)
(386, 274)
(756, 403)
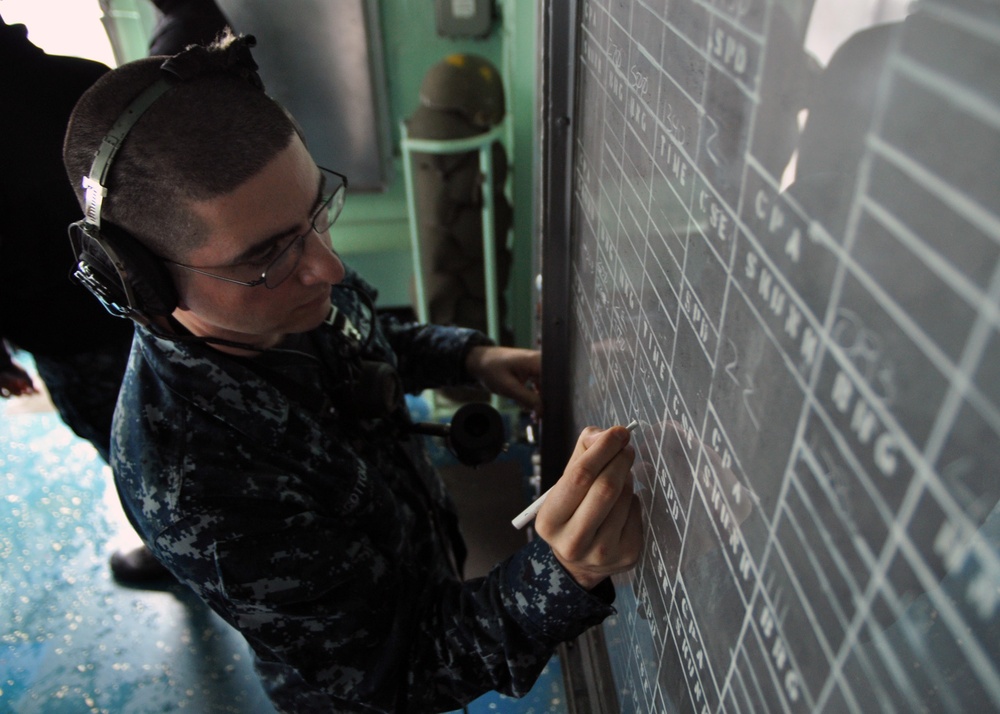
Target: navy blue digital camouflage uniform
(327, 540)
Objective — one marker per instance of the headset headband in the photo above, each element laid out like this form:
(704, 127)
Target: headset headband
(94, 188)
(125, 276)
(186, 65)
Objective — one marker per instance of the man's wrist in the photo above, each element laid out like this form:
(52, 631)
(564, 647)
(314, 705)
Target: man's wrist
(584, 578)
(475, 348)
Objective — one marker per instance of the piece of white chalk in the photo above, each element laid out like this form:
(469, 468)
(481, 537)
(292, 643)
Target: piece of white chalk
(528, 514)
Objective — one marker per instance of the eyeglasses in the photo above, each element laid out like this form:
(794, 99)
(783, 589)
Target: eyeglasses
(277, 269)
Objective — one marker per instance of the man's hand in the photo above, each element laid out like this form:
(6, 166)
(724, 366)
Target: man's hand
(15, 382)
(591, 518)
(509, 372)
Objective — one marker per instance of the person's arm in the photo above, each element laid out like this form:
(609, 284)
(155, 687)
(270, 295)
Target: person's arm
(431, 356)
(355, 627)
(556, 587)
(427, 356)
(509, 372)
(328, 596)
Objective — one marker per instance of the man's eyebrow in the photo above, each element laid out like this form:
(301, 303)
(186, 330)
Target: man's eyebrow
(262, 245)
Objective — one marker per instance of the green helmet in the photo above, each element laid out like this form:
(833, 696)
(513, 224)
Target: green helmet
(466, 84)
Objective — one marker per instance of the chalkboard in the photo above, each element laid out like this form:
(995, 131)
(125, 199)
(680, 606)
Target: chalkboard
(773, 237)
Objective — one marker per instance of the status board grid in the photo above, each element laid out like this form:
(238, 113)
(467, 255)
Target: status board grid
(818, 454)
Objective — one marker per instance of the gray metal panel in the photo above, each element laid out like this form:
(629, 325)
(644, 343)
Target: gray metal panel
(558, 68)
(322, 59)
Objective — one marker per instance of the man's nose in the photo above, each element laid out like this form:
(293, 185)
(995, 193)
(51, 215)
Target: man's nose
(320, 263)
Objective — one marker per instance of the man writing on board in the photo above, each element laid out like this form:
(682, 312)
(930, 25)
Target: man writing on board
(259, 447)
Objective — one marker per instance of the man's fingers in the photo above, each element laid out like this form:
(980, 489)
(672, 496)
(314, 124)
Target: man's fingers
(618, 542)
(592, 518)
(610, 530)
(590, 434)
(594, 451)
(527, 397)
(632, 534)
(602, 498)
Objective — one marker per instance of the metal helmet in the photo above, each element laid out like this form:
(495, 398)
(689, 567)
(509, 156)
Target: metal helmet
(466, 84)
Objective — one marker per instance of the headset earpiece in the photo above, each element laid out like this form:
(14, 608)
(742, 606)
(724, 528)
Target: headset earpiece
(128, 279)
(121, 272)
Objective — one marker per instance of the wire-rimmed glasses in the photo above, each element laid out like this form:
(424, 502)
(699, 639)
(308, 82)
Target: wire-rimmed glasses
(284, 263)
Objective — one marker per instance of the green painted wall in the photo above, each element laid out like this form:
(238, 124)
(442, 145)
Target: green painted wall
(521, 47)
(373, 233)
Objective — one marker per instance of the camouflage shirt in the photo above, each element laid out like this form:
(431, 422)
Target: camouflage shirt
(327, 539)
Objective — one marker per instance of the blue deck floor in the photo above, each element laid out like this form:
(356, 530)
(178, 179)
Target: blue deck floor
(72, 640)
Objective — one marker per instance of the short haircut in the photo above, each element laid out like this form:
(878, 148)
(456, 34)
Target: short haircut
(202, 139)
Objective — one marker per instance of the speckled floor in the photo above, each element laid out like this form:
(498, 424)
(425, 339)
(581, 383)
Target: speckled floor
(72, 640)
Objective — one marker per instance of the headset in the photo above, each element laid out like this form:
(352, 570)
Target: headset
(116, 268)
(123, 274)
